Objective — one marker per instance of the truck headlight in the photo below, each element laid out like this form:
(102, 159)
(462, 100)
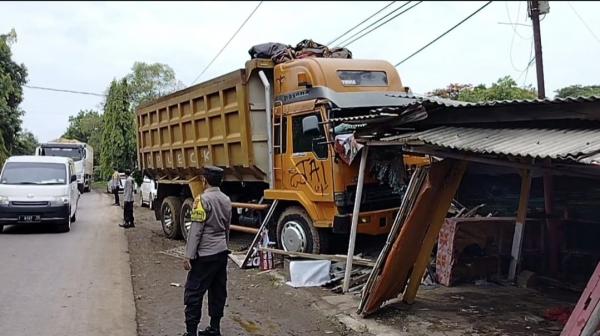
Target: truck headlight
(4, 200)
(61, 200)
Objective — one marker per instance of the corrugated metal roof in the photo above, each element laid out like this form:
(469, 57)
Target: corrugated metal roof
(581, 145)
(418, 99)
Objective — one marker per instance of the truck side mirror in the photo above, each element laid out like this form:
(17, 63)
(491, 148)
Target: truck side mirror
(73, 178)
(310, 125)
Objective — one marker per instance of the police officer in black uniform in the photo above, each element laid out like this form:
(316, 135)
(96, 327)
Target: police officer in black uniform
(206, 255)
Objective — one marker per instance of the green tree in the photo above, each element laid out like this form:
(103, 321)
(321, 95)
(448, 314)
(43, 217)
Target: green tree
(578, 91)
(150, 81)
(87, 127)
(504, 89)
(25, 144)
(118, 134)
(12, 77)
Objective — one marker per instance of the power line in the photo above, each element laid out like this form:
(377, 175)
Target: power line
(584, 23)
(514, 24)
(444, 34)
(374, 23)
(65, 90)
(363, 21)
(226, 44)
(385, 22)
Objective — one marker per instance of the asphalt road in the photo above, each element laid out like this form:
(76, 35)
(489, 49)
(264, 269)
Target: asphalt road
(75, 283)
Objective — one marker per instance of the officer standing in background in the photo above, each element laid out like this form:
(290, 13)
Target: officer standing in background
(206, 255)
(128, 191)
(115, 183)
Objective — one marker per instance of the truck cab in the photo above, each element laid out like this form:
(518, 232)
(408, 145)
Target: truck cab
(81, 154)
(309, 93)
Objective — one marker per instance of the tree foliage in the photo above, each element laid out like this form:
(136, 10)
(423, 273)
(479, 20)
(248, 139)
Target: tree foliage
(118, 134)
(578, 91)
(12, 77)
(150, 81)
(26, 144)
(504, 89)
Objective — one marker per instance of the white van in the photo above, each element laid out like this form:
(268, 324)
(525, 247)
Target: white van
(38, 189)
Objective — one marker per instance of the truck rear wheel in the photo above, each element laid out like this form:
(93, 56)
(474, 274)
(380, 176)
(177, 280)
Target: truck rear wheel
(296, 233)
(169, 217)
(186, 217)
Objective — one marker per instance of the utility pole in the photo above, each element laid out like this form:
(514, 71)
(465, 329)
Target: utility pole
(552, 224)
(534, 14)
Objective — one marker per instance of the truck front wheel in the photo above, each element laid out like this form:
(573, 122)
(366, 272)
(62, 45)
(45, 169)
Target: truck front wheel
(169, 217)
(296, 233)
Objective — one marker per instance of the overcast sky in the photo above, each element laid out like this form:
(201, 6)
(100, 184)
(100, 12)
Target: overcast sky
(83, 46)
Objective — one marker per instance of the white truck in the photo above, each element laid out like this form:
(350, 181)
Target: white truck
(81, 153)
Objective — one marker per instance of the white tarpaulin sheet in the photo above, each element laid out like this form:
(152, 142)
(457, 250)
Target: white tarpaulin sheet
(309, 273)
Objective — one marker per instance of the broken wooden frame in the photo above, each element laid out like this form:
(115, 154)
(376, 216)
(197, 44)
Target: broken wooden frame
(263, 226)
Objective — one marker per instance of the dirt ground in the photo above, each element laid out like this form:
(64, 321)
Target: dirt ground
(257, 303)
(261, 304)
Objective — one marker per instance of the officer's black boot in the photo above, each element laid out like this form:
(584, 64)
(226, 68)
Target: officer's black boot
(210, 331)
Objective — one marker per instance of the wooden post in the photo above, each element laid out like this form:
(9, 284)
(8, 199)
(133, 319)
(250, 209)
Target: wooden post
(552, 224)
(355, 212)
(519, 224)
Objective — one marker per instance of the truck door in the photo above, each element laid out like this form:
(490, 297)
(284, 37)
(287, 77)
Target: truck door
(307, 167)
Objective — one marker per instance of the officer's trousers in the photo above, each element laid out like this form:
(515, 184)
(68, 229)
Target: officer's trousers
(208, 274)
(128, 213)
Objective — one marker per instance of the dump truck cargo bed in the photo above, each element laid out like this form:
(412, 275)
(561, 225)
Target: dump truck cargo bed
(221, 122)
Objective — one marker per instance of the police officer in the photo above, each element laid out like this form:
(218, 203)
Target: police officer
(206, 254)
(128, 191)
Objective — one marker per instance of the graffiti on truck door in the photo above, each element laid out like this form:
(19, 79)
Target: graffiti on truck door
(310, 171)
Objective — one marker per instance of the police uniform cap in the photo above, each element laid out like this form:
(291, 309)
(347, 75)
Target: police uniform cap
(212, 170)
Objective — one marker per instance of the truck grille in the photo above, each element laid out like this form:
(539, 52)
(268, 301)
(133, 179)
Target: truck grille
(26, 203)
(374, 197)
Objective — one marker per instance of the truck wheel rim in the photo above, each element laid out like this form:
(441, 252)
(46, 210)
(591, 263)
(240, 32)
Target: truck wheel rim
(293, 237)
(168, 218)
(187, 220)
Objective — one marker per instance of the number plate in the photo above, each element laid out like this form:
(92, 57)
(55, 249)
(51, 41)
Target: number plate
(29, 218)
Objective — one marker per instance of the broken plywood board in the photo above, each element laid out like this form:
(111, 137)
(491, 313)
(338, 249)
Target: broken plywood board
(414, 240)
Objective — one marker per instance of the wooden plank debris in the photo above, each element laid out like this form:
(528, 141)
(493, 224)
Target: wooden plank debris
(355, 260)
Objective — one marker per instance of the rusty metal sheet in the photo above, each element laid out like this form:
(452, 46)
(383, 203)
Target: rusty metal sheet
(423, 222)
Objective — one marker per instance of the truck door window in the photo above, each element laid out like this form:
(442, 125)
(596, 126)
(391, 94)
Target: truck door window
(309, 142)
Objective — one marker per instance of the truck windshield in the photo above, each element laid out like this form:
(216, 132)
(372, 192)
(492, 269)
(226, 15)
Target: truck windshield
(363, 78)
(33, 173)
(73, 153)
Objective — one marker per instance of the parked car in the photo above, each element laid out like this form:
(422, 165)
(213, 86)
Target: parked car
(147, 192)
(38, 190)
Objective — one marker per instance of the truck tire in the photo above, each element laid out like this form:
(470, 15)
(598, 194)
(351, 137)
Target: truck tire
(186, 217)
(169, 217)
(296, 233)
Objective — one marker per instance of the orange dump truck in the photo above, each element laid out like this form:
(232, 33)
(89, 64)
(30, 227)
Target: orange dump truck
(268, 126)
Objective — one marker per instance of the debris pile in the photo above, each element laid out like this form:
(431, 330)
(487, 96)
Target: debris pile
(281, 53)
